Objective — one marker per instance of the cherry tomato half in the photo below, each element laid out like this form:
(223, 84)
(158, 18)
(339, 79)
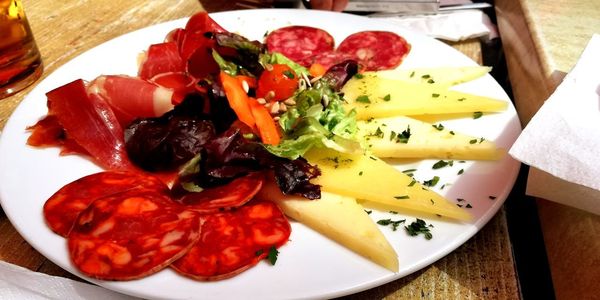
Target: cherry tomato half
(281, 80)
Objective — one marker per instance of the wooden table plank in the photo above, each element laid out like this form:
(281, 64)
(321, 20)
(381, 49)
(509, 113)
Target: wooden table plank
(481, 268)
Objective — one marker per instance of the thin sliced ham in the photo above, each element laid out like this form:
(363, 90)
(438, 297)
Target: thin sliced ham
(132, 97)
(91, 122)
(161, 58)
(181, 83)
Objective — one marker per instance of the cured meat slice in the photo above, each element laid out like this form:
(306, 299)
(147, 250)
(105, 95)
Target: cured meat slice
(181, 84)
(232, 242)
(234, 194)
(176, 35)
(131, 235)
(63, 207)
(48, 132)
(202, 22)
(299, 42)
(376, 50)
(327, 59)
(91, 123)
(131, 97)
(161, 58)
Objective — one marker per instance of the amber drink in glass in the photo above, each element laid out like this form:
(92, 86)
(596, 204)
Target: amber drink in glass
(20, 61)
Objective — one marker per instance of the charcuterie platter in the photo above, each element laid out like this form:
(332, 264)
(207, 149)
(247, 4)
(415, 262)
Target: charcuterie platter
(309, 265)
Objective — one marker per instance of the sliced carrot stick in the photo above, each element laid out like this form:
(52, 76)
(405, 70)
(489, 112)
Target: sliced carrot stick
(267, 129)
(317, 70)
(238, 99)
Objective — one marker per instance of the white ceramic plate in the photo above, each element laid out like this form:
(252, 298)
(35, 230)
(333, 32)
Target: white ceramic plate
(310, 265)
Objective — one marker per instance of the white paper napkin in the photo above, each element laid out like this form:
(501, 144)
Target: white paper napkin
(17, 283)
(450, 26)
(563, 138)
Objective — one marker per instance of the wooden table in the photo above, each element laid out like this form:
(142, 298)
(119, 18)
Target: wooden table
(481, 268)
(542, 41)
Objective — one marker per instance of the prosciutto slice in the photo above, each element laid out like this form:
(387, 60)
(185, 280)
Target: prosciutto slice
(161, 58)
(91, 122)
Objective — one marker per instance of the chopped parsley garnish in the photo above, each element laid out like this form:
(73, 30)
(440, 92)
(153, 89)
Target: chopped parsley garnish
(408, 171)
(412, 183)
(462, 99)
(359, 76)
(440, 164)
(492, 197)
(419, 227)
(432, 182)
(451, 132)
(477, 115)
(412, 74)
(363, 99)
(460, 172)
(394, 224)
(387, 97)
(259, 252)
(288, 74)
(481, 140)
(393, 212)
(368, 211)
(426, 76)
(439, 127)
(404, 136)
(432, 202)
(378, 133)
(402, 197)
(430, 81)
(473, 141)
(435, 95)
(272, 256)
(459, 205)
(468, 205)
(460, 199)
(360, 173)
(393, 135)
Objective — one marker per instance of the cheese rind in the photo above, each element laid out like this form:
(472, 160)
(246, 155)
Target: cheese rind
(382, 137)
(369, 178)
(339, 218)
(375, 97)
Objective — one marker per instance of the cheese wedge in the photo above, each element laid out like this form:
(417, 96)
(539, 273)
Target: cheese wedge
(446, 76)
(339, 218)
(404, 137)
(369, 178)
(375, 97)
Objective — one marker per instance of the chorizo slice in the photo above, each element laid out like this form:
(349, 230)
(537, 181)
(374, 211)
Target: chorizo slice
(63, 207)
(131, 235)
(232, 242)
(327, 59)
(234, 194)
(376, 50)
(299, 42)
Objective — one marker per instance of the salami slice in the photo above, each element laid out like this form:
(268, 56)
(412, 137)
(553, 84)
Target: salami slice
(62, 208)
(131, 235)
(299, 42)
(232, 242)
(234, 194)
(327, 58)
(376, 50)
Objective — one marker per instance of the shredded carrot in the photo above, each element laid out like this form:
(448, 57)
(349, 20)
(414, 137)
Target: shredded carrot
(317, 70)
(267, 129)
(238, 99)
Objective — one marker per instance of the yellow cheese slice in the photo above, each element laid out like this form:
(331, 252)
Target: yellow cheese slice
(369, 178)
(339, 218)
(386, 138)
(375, 97)
(446, 76)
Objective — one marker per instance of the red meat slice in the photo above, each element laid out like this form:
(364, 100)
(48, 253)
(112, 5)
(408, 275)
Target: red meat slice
(63, 207)
(161, 58)
(181, 84)
(131, 235)
(48, 132)
(202, 22)
(131, 97)
(376, 50)
(91, 123)
(327, 59)
(232, 242)
(234, 194)
(298, 43)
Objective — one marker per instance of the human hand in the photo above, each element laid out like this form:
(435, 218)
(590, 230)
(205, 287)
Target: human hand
(335, 5)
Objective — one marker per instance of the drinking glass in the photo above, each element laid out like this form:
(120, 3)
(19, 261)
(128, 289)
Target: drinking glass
(20, 61)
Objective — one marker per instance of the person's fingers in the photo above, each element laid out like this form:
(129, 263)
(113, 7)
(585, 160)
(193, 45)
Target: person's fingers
(321, 4)
(339, 5)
